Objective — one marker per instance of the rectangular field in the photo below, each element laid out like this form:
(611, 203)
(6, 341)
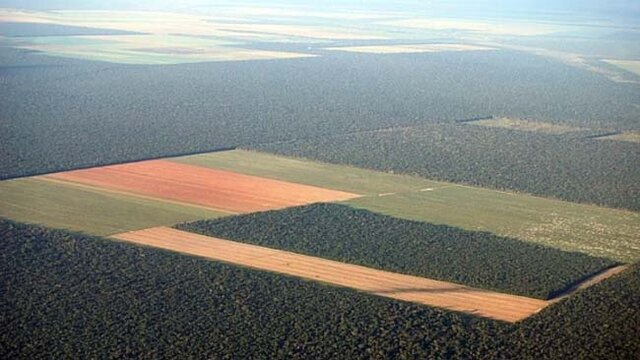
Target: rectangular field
(337, 177)
(210, 188)
(592, 230)
(65, 206)
(410, 48)
(429, 292)
(527, 125)
(589, 229)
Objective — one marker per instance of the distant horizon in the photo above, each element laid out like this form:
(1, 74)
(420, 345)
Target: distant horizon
(621, 9)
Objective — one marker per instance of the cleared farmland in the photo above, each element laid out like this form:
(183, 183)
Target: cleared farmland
(522, 28)
(628, 65)
(527, 125)
(87, 210)
(401, 287)
(560, 224)
(361, 237)
(146, 49)
(338, 177)
(409, 49)
(210, 188)
(630, 136)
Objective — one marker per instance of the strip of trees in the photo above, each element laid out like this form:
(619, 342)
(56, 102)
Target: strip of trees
(342, 233)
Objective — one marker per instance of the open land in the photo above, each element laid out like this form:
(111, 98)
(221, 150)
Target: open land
(91, 211)
(527, 125)
(484, 27)
(405, 112)
(401, 287)
(215, 189)
(360, 237)
(407, 49)
(200, 38)
(593, 230)
(628, 65)
(630, 136)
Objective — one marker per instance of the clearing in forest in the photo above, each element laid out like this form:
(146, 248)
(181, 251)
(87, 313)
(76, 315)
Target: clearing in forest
(527, 125)
(629, 136)
(424, 291)
(92, 211)
(410, 48)
(593, 230)
(209, 188)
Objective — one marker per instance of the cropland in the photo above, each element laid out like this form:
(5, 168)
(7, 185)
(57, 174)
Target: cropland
(262, 180)
(594, 230)
(397, 286)
(209, 188)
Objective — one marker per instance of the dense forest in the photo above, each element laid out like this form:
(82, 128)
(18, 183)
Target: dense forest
(341, 233)
(73, 296)
(567, 167)
(59, 114)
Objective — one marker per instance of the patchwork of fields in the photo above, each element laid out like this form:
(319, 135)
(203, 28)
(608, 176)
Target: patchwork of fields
(89, 210)
(130, 201)
(568, 226)
(210, 188)
(342, 233)
(372, 180)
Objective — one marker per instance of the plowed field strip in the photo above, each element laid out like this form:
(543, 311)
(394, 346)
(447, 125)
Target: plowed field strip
(211, 188)
(442, 294)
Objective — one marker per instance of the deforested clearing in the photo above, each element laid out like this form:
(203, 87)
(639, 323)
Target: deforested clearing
(441, 294)
(89, 210)
(629, 65)
(410, 48)
(630, 136)
(209, 188)
(527, 125)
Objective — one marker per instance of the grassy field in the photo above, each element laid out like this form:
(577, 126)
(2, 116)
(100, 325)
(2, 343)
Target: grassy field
(567, 226)
(526, 125)
(629, 65)
(563, 225)
(337, 177)
(145, 49)
(409, 49)
(90, 211)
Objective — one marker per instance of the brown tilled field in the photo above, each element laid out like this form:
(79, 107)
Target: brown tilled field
(211, 188)
(445, 295)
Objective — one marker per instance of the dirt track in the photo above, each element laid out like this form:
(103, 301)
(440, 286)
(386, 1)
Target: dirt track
(215, 189)
(441, 294)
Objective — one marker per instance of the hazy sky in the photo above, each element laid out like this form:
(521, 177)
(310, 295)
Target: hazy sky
(604, 9)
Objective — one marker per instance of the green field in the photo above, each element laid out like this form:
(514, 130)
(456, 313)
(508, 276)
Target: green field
(91, 211)
(567, 226)
(337, 177)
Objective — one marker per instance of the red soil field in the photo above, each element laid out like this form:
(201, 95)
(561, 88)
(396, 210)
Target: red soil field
(484, 303)
(211, 188)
